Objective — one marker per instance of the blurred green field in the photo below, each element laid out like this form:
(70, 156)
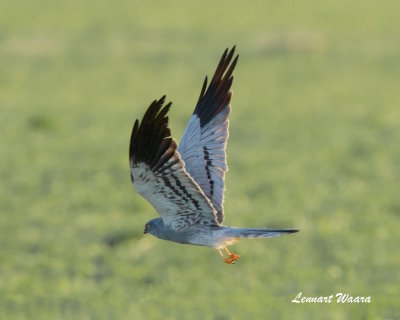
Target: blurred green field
(314, 144)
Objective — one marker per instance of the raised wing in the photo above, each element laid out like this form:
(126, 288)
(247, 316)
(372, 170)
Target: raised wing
(203, 143)
(159, 174)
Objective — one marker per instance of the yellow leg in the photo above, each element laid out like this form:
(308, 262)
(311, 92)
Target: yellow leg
(219, 251)
(227, 251)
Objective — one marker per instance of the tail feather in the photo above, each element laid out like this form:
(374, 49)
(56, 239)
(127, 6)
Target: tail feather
(260, 232)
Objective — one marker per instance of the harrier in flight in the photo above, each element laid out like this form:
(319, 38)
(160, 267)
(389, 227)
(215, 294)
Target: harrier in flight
(185, 184)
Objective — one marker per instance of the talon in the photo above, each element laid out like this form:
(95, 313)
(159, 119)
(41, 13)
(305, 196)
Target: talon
(232, 258)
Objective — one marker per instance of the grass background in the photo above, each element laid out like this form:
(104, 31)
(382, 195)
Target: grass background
(314, 144)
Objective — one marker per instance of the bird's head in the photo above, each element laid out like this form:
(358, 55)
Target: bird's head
(153, 226)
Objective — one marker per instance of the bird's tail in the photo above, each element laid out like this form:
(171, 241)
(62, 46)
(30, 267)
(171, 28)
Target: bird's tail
(259, 232)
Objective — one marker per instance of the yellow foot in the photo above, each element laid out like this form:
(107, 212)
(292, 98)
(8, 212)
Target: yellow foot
(232, 258)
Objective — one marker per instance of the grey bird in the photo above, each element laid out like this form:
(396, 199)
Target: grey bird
(185, 184)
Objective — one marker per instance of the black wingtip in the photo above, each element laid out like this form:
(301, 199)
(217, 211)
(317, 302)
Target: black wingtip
(151, 138)
(203, 89)
(217, 96)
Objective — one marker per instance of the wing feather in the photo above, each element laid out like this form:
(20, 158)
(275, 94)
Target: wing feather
(203, 145)
(158, 172)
